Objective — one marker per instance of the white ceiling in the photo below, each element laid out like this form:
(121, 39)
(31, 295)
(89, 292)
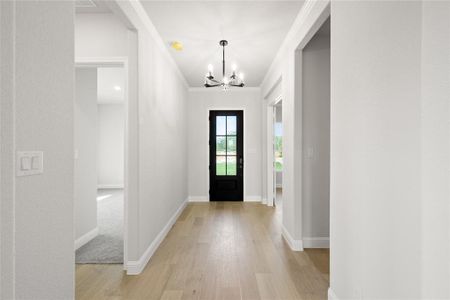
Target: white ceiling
(110, 85)
(254, 29)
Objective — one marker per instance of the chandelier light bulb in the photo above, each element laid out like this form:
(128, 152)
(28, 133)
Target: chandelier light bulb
(226, 81)
(234, 67)
(241, 76)
(210, 68)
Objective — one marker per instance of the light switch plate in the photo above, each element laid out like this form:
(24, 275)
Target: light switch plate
(29, 163)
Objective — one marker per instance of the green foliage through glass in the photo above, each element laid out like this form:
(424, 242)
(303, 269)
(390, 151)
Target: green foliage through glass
(279, 153)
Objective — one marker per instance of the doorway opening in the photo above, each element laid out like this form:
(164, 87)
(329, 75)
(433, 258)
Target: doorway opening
(275, 152)
(278, 153)
(315, 125)
(226, 155)
(306, 179)
(100, 162)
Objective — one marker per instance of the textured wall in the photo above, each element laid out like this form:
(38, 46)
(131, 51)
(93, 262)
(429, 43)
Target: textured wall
(316, 138)
(85, 145)
(37, 114)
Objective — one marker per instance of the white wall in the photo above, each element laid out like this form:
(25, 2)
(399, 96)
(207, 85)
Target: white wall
(100, 35)
(279, 113)
(435, 112)
(390, 150)
(200, 102)
(7, 148)
(110, 152)
(86, 147)
(162, 141)
(156, 130)
(316, 138)
(37, 88)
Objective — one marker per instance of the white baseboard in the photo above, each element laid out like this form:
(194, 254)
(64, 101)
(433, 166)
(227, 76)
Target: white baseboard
(279, 185)
(86, 238)
(264, 200)
(316, 242)
(252, 199)
(198, 199)
(332, 295)
(110, 186)
(295, 245)
(136, 267)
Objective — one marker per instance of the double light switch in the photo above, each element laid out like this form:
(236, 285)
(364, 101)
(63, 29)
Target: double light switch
(29, 163)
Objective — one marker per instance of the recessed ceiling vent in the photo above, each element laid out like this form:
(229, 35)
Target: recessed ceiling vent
(85, 4)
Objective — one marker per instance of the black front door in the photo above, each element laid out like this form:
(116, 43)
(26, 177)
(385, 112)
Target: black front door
(226, 162)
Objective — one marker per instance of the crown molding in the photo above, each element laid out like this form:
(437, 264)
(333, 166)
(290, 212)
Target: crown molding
(145, 21)
(310, 13)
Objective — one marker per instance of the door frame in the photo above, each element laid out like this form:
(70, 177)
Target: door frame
(291, 91)
(239, 150)
(271, 177)
(117, 62)
(208, 110)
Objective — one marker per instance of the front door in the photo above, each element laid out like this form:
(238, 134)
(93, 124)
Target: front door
(226, 163)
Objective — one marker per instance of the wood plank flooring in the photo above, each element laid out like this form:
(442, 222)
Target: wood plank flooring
(217, 250)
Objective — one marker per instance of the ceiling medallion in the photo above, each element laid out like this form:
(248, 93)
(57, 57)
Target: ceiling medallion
(225, 83)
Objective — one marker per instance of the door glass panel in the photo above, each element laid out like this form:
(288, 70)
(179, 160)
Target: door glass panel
(221, 125)
(231, 165)
(231, 145)
(231, 125)
(220, 145)
(221, 168)
(226, 145)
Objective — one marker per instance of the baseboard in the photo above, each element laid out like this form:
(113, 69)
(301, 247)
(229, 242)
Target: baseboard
(279, 185)
(252, 199)
(264, 200)
(136, 267)
(295, 245)
(86, 238)
(332, 295)
(110, 186)
(198, 199)
(316, 242)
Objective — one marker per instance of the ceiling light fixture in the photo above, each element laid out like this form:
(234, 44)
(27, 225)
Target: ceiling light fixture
(178, 46)
(225, 83)
(117, 88)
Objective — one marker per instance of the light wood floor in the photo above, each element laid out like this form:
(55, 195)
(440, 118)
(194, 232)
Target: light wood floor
(216, 251)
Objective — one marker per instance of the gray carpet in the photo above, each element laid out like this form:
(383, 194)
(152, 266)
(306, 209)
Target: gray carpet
(107, 247)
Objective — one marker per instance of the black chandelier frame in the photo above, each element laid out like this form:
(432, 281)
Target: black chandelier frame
(233, 78)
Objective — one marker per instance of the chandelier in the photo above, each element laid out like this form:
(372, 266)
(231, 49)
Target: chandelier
(225, 83)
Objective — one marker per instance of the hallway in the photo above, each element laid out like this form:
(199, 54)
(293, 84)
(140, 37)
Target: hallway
(216, 251)
(186, 113)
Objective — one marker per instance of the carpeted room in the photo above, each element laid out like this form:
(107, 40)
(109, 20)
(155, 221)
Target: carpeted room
(99, 165)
